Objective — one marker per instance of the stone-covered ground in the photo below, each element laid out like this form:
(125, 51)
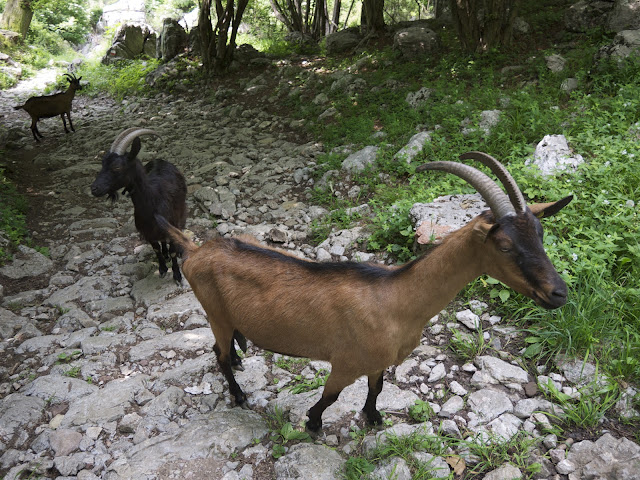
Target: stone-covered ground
(108, 371)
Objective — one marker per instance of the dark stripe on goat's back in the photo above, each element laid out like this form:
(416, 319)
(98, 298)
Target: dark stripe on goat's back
(366, 270)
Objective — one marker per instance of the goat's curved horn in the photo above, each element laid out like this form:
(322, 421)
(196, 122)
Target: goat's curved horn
(517, 199)
(122, 141)
(495, 197)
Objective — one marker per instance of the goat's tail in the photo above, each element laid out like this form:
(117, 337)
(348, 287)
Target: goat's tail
(18, 107)
(183, 244)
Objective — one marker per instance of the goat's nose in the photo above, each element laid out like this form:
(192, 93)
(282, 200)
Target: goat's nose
(558, 297)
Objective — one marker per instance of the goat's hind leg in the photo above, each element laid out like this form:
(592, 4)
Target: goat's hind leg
(375, 387)
(162, 264)
(70, 122)
(224, 360)
(236, 361)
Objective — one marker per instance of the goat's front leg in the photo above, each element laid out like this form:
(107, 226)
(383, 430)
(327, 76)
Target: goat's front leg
(375, 387)
(163, 266)
(335, 384)
(35, 131)
(64, 123)
(175, 269)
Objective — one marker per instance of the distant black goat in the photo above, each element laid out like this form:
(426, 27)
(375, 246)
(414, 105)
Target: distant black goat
(157, 188)
(51, 105)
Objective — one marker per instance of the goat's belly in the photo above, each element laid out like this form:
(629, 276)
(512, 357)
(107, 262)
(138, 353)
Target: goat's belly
(49, 115)
(297, 342)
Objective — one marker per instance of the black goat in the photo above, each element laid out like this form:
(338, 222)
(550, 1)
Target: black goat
(157, 188)
(48, 106)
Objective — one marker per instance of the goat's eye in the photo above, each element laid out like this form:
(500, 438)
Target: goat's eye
(505, 249)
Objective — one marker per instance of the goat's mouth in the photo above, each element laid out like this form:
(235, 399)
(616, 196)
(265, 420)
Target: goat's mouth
(98, 191)
(556, 299)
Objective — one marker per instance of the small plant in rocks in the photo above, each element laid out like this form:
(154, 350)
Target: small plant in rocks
(468, 346)
(421, 411)
(302, 384)
(282, 432)
(73, 372)
(593, 401)
(67, 357)
(291, 364)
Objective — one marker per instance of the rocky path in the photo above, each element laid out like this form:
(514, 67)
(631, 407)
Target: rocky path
(108, 371)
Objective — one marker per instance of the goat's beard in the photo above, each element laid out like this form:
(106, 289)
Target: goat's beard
(113, 196)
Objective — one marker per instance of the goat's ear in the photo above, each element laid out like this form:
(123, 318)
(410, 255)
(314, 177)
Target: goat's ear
(135, 149)
(482, 230)
(542, 210)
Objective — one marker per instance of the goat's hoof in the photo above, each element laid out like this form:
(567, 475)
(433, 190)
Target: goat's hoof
(237, 367)
(314, 427)
(374, 418)
(162, 274)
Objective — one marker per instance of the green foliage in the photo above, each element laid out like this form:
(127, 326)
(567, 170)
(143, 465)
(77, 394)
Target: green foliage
(126, 77)
(594, 401)
(13, 210)
(67, 19)
(357, 468)
(421, 411)
(597, 320)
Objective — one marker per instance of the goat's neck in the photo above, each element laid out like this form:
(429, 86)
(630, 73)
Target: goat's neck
(436, 279)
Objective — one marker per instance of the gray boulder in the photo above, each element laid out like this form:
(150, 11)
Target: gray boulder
(624, 16)
(309, 462)
(28, 263)
(341, 42)
(358, 161)
(585, 15)
(625, 43)
(172, 40)
(17, 413)
(553, 156)
(131, 41)
(413, 147)
(415, 41)
(433, 221)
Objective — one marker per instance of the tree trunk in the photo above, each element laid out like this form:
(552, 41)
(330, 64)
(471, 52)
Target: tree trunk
(335, 19)
(372, 18)
(217, 45)
(319, 24)
(17, 16)
(207, 37)
(483, 24)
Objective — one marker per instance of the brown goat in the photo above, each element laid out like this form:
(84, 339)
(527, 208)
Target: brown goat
(362, 317)
(48, 106)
